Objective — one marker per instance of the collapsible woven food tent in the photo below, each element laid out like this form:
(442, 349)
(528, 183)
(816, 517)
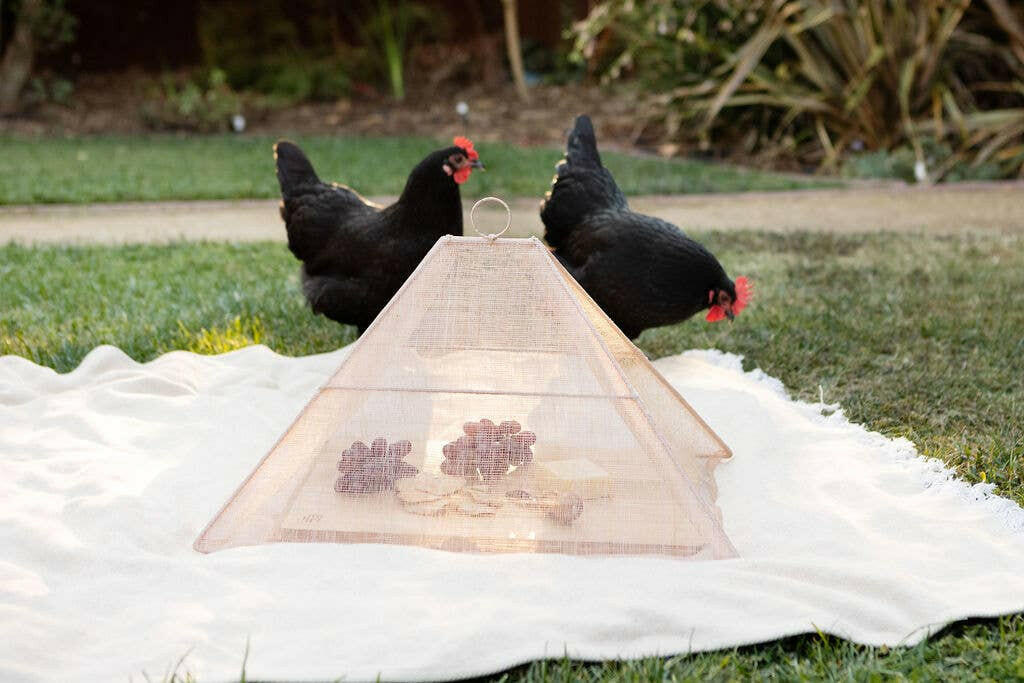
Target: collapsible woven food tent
(490, 407)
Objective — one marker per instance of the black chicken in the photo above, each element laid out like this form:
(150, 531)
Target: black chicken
(642, 271)
(355, 254)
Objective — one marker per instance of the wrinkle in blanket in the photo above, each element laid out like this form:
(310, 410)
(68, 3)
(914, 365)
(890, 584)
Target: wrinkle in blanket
(108, 473)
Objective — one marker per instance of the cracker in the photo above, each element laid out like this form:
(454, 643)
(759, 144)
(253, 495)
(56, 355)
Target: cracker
(430, 508)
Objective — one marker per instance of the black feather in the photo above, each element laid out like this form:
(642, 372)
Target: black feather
(641, 270)
(581, 184)
(581, 149)
(355, 254)
(293, 169)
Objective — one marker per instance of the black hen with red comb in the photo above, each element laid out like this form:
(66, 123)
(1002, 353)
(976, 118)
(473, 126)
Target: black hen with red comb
(642, 271)
(355, 254)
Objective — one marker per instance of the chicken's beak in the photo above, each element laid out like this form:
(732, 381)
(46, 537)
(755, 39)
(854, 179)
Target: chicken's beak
(729, 314)
(476, 163)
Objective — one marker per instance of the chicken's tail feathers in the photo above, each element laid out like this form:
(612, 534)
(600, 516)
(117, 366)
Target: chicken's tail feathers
(581, 186)
(581, 149)
(293, 168)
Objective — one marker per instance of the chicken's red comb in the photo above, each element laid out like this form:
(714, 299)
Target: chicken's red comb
(744, 293)
(466, 144)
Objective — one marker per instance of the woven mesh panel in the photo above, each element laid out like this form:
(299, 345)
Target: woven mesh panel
(491, 407)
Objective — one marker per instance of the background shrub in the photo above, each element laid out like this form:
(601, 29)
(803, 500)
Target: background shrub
(813, 80)
(202, 103)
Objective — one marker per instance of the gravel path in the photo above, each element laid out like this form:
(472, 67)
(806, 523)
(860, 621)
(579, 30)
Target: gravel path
(994, 207)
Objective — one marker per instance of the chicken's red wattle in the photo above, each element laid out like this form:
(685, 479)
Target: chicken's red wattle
(715, 313)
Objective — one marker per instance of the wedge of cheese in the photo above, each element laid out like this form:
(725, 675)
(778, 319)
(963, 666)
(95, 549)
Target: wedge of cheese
(578, 475)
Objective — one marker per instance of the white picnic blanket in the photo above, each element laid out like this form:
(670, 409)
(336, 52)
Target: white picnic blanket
(108, 473)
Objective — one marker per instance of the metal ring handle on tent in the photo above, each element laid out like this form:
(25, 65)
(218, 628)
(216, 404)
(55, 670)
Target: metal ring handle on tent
(508, 219)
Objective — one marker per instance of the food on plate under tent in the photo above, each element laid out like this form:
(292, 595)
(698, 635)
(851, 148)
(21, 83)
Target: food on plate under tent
(491, 407)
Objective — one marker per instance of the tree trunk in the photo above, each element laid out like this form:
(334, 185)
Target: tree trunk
(515, 52)
(16, 64)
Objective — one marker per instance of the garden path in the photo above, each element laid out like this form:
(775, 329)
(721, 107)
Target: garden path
(945, 209)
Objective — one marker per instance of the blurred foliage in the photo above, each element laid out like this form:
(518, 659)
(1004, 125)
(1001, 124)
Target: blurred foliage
(551, 65)
(187, 102)
(260, 47)
(315, 50)
(53, 26)
(388, 31)
(48, 87)
(899, 163)
(289, 80)
(49, 27)
(813, 80)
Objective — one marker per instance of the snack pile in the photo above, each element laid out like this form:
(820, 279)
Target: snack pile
(432, 495)
(473, 479)
(373, 468)
(438, 494)
(487, 451)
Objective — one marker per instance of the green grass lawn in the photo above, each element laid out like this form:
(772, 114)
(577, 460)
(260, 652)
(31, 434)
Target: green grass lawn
(104, 169)
(916, 336)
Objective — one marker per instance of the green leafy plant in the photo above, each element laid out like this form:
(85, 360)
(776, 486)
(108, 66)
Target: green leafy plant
(259, 47)
(550, 64)
(813, 79)
(240, 38)
(899, 163)
(387, 29)
(50, 88)
(296, 80)
(202, 104)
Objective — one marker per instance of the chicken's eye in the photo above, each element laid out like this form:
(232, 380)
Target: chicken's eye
(457, 159)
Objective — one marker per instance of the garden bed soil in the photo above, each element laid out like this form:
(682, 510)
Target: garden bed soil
(113, 103)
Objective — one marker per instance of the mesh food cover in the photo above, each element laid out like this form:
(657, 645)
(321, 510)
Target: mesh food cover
(490, 407)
